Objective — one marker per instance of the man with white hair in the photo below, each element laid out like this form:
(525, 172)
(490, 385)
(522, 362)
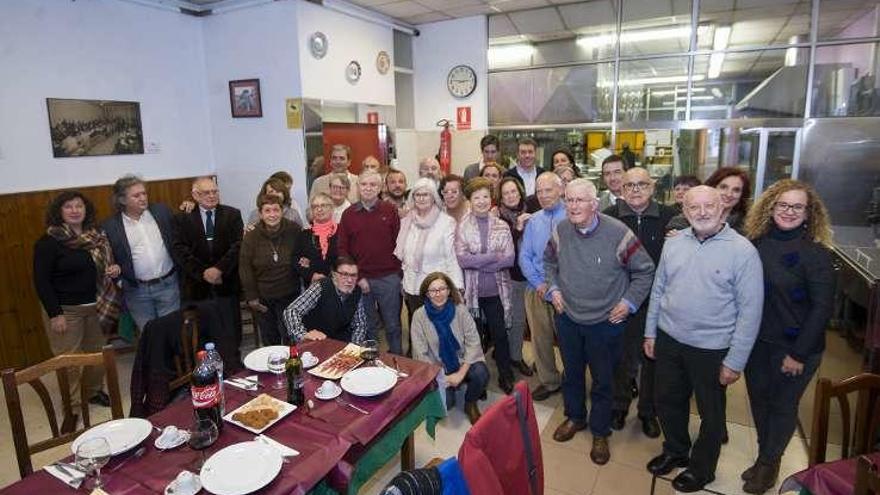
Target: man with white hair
(598, 273)
(703, 318)
(368, 233)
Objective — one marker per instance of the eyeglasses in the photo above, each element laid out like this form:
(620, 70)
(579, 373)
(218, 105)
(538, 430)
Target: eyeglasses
(347, 274)
(578, 201)
(322, 205)
(438, 291)
(338, 187)
(422, 195)
(783, 207)
(636, 186)
(209, 192)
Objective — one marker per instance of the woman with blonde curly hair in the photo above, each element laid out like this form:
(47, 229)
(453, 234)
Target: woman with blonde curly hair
(789, 226)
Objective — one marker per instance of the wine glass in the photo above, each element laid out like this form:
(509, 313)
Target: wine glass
(92, 455)
(202, 435)
(370, 351)
(276, 364)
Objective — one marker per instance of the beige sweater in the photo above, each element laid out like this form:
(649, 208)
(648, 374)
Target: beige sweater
(426, 344)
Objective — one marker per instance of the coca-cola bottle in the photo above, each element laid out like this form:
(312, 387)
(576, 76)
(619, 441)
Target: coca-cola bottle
(205, 390)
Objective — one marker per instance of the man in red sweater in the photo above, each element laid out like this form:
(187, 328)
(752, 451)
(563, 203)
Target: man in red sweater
(368, 233)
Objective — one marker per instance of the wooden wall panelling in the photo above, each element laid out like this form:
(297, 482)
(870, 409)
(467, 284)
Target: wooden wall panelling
(23, 340)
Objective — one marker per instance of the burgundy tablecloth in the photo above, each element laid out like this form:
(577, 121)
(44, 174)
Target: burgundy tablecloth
(322, 442)
(830, 478)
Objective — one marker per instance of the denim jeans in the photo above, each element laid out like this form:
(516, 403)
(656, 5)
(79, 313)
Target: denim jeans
(384, 294)
(598, 346)
(476, 379)
(148, 302)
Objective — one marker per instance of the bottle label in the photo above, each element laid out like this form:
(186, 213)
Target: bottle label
(207, 396)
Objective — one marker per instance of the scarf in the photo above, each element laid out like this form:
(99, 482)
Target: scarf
(423, 226)
(324, 231)
(109, 300)
(442, 319)
(509, 215)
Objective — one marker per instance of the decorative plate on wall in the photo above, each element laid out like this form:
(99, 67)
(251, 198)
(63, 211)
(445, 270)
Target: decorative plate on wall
(353, 72)
(383, 62)
(318, 44)
(461, 81)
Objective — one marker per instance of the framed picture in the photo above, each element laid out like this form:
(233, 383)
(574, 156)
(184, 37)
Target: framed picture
(244, 98)
(94, 127)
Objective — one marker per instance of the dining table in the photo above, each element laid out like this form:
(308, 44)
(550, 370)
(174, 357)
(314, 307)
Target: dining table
(339, 447)
(827, 478)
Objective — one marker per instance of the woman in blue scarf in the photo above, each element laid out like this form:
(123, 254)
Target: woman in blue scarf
(444, 333)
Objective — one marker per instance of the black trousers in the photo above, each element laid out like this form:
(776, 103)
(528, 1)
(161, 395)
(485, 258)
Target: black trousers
(682, 370)
(493, 311)
(628, 368)
(272, 331)
(774, 397)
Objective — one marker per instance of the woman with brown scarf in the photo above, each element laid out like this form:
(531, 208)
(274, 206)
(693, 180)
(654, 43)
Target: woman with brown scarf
(425, 243)
(73, 272)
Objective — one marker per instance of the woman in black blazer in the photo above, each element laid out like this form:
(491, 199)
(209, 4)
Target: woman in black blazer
(319, 242)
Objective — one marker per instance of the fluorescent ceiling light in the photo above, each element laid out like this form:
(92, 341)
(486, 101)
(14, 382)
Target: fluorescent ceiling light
(506, 54)
(667, 92)
(791, 56)
(716, 61)
(719, 42)
(634, 36)
(644, 81)
(696, 98)
(717, 92)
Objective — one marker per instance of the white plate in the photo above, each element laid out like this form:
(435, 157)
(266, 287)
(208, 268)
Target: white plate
(368, 382)
(284, 410)
(241, 468)
(121, 434)
(258, 359)
(332, 395)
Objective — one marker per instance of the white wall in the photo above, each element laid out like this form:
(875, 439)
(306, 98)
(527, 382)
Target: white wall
(99, 49)
(259, 42)
(349, 39)
(440, 47)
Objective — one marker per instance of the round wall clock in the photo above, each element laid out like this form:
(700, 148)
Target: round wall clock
(353, 72)
(318, 44)
(383, 62)
(461, 81)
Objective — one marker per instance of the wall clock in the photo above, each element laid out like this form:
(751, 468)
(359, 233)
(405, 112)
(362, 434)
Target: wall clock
(383, 62)
(353, 72)
(318, 44)
(461, 81)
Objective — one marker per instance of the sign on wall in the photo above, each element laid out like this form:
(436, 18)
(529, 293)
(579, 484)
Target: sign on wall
(463, 118)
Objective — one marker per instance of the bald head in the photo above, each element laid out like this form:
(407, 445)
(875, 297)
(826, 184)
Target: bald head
(702, 207)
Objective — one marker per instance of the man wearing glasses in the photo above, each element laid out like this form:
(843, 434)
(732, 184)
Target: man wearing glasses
(598, 273)
(647, 219)
(703, 318)
(207, 246)
(331, 308)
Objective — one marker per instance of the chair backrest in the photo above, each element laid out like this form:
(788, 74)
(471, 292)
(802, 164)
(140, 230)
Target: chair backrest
(859, 426)
(867, 477)
(189, 346)
(33, 376)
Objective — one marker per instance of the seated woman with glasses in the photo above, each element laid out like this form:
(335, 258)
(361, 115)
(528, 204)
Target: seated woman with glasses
(331, 308)
(444, 333)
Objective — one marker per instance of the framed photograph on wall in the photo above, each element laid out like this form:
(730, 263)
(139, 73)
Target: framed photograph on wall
(94, 127)
(244, 98)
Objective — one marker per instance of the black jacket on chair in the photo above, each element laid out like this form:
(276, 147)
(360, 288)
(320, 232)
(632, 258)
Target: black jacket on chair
(195, 255)
(115, 229)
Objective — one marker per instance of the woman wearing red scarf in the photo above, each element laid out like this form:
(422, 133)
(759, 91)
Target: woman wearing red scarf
(320, 240)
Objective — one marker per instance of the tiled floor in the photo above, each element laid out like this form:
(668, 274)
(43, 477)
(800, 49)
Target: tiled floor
(567, 467)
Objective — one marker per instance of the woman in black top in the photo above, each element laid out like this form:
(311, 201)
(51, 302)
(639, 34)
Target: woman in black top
(73, 271)
(790, 228)
(319, 241)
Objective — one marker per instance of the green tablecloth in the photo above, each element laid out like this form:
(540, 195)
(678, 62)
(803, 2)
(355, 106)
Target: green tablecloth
(430, 410)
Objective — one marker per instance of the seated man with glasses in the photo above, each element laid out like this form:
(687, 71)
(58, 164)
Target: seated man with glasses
(330, 308)
(647, 219)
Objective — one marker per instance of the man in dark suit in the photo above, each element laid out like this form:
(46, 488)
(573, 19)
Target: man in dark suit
(207, 245)
(142, 238)
(526, 170)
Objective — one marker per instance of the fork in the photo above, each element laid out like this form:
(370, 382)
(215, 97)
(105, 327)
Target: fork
(340, 400)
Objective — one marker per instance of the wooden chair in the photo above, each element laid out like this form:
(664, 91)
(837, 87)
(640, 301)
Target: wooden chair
(867, 477)
(185, 362)
(860, 429)
(33, 377)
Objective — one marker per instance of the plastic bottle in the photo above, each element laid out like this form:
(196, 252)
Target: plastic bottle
(205, 391)
(216, 361)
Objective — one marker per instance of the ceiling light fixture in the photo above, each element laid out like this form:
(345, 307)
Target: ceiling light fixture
(507, 54)
(635, 36)
(645, 81)
(719, 42)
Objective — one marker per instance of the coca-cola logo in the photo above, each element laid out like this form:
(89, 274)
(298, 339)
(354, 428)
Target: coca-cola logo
(207, 396)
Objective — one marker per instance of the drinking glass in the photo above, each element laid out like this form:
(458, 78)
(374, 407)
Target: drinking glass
(92, 455)
(370, 351)
(202, 435)
(277, 362)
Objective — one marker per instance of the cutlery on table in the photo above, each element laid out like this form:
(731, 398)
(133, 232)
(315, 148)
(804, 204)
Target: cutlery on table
(250, 382)
(397, 368)
(68, 469)
(137, 455)
(349, 404)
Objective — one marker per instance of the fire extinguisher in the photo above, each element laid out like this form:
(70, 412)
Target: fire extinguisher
(445, 146)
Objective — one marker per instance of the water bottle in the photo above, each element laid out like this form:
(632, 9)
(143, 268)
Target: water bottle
(216, 362)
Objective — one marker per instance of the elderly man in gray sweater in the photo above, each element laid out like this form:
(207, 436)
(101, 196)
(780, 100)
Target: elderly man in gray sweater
(598, 274)
(703, 318)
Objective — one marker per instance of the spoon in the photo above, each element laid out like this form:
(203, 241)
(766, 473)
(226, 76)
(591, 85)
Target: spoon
(137, 455)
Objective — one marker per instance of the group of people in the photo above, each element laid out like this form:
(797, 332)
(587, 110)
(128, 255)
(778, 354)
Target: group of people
(668, 301)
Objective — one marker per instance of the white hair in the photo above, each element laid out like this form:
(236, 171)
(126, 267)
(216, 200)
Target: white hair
(425, 183)
(369, 173)
(585, 183)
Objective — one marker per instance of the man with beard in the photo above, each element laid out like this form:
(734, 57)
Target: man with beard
(395, 190)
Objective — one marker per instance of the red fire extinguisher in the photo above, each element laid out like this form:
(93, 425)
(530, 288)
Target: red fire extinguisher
(445, 146)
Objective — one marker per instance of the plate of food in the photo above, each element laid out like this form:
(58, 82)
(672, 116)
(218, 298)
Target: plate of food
(347, 359)
(260, 413)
